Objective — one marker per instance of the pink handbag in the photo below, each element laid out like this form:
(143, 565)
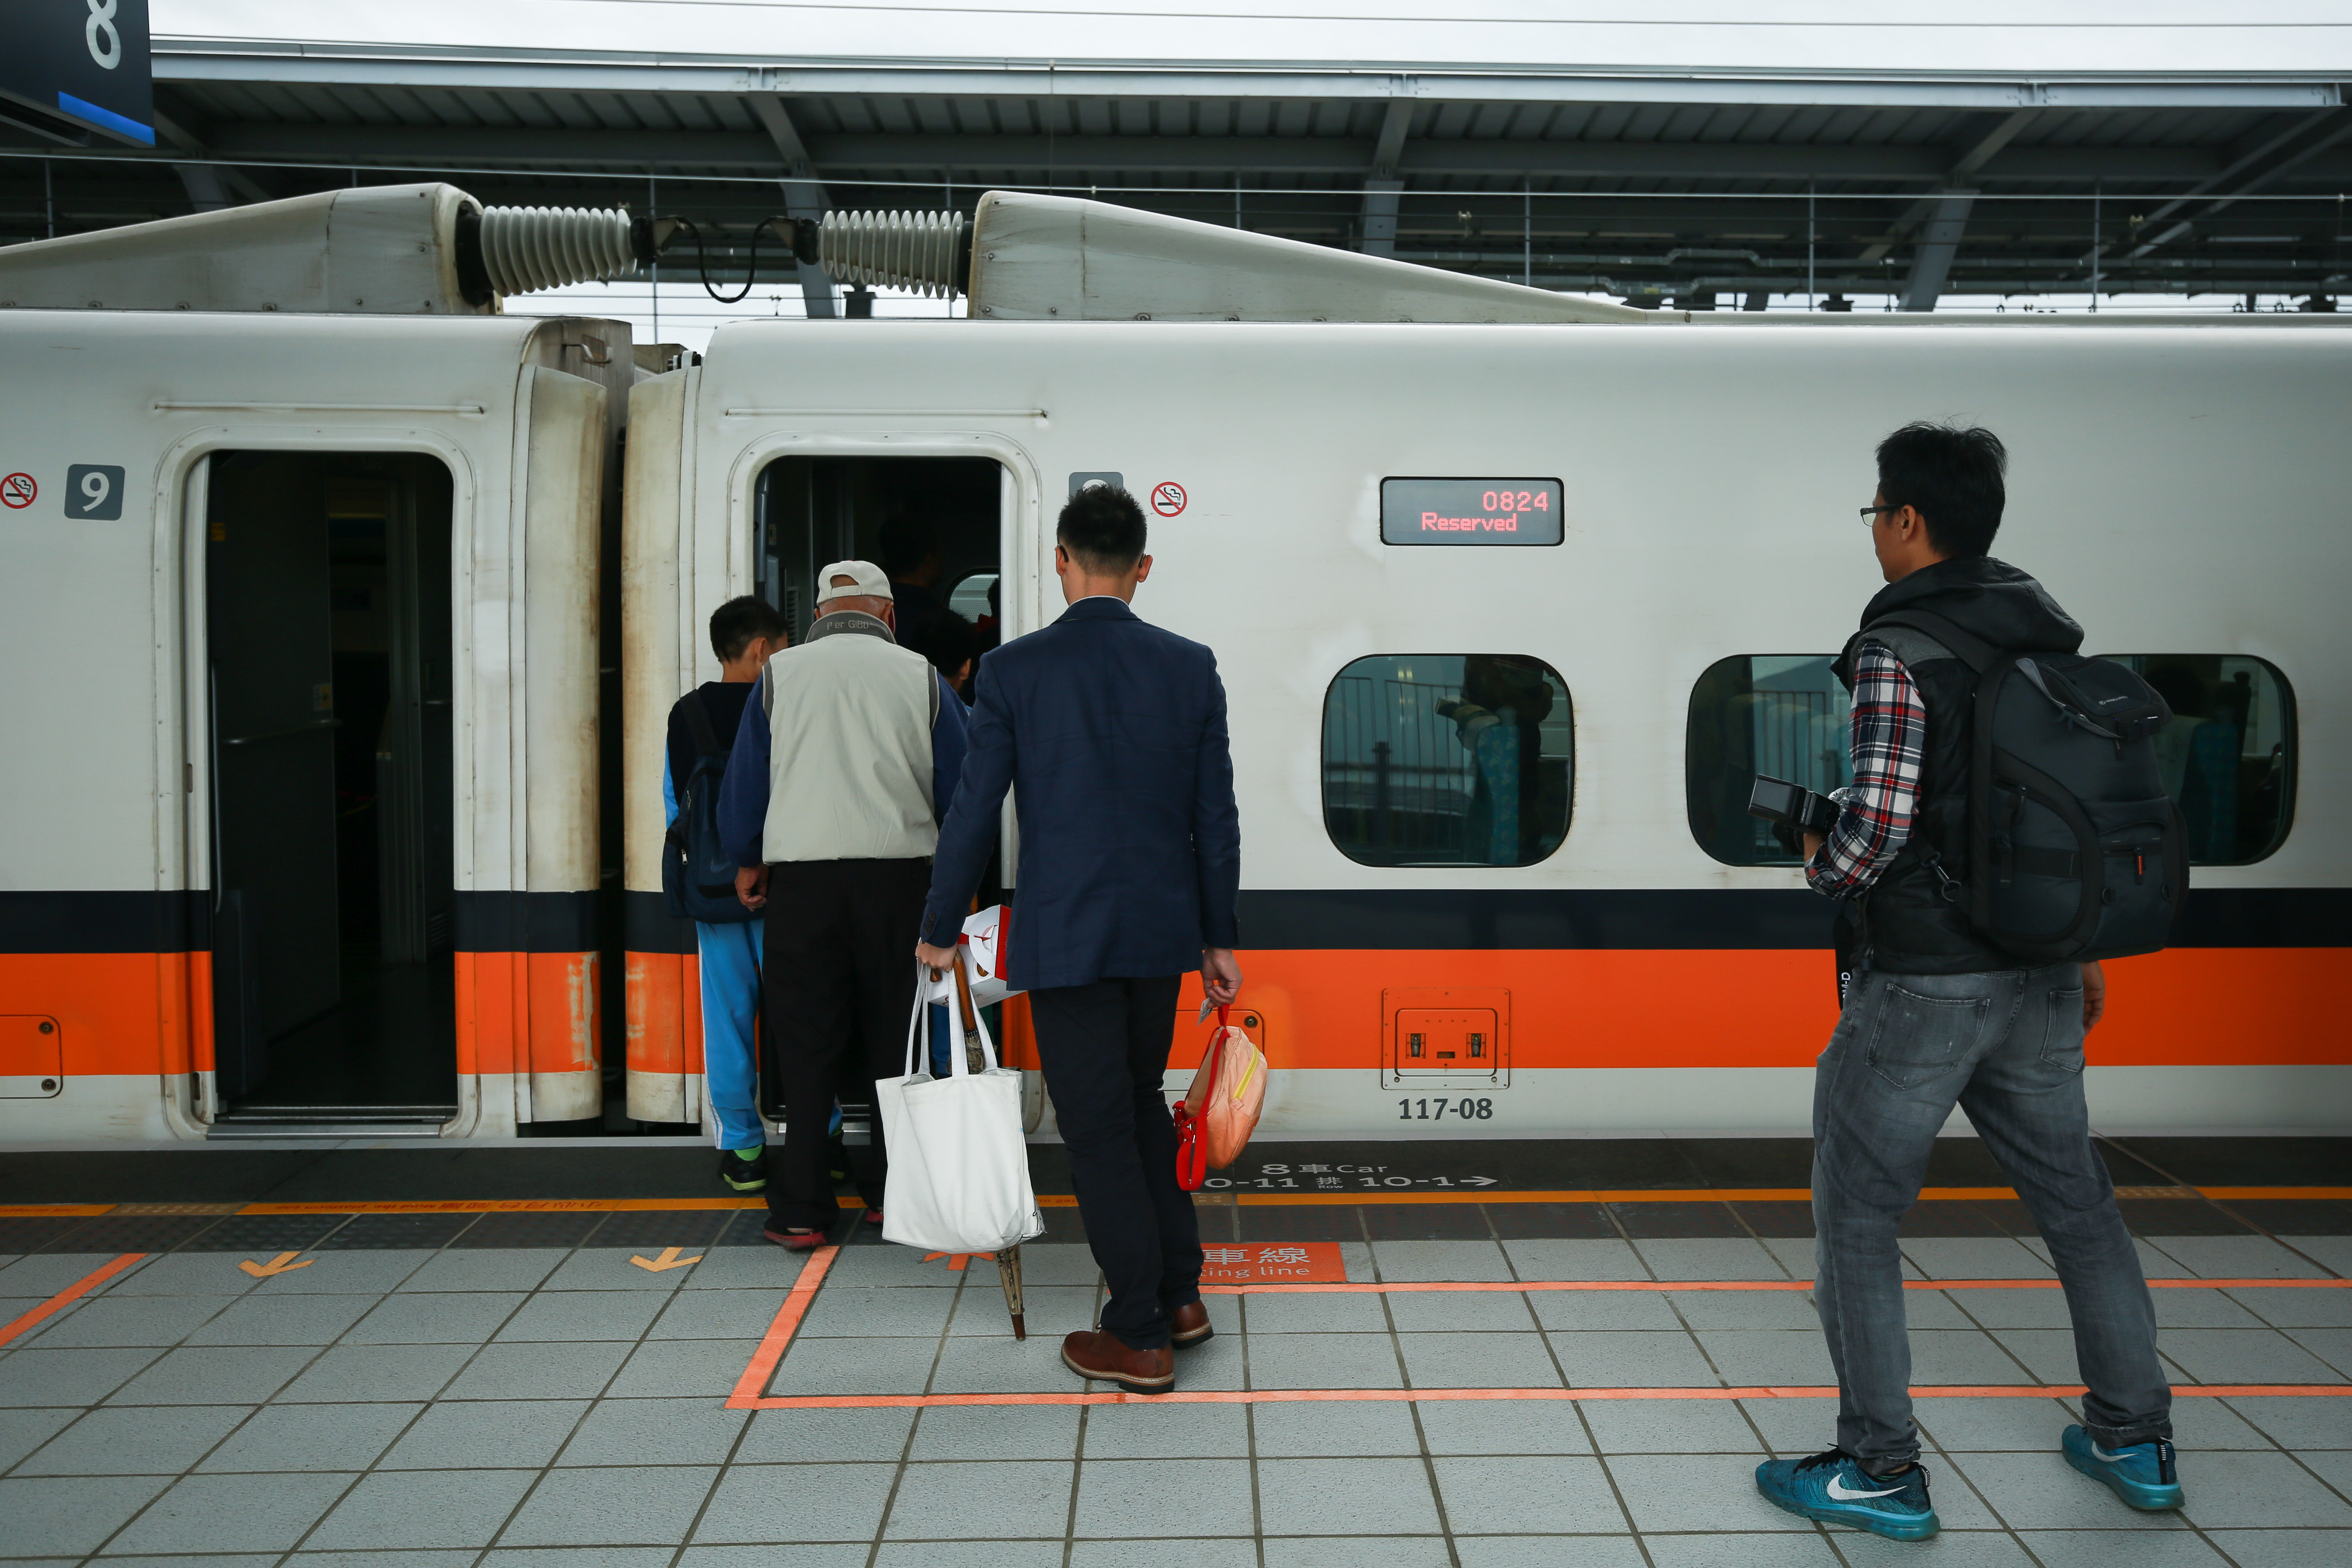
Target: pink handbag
(1217, 1115)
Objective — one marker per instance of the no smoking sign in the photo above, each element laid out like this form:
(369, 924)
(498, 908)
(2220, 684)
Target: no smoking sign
(19, 491)
(1168, 498)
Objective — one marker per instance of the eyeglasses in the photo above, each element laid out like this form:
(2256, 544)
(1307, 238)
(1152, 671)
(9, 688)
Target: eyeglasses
(1870, 514)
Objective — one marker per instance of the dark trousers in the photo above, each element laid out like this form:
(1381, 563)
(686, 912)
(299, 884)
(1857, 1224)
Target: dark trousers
(838, 981)
(1104, 1047)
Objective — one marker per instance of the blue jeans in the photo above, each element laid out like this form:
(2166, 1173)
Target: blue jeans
(730, 956)
(2007, 1046)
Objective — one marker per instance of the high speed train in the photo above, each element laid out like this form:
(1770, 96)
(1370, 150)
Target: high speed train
(339, 647)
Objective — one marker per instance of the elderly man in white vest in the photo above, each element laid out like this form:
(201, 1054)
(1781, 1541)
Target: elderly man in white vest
(846, 760)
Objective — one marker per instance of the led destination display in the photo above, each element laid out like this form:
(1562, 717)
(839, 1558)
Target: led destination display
(1470, 512)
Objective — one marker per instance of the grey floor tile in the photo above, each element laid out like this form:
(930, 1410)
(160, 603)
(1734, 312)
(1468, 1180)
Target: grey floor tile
(2285, 1547)
(1974, 1258)
(818, 1502)
(2236, 1258)
(44, 1274)
(675, 1431)
(2333, 1252)
(210, 1559)
(2286, 1307)
(557, 1371)
(802, 1555)
(2299, 1421)
(720, 1315)
(650, 1505)
(2022, 1309)
(1418, 1260)
(227, 1374)
(1149, 1430)
(1747, 1310)
(230, 1513)
(178, 1274)
(998, 1432)
(2103, 1548)
(1995, 1425)
(855, 1367)
(2038, 1491)
(488, 1268)
(2048, 1354)
(1193, 1553)
(1770, 1357)
(359, 1272)
(312, 1437)
(1045, 1263)
(1604, 1309)
(70, 1515)
(1025, 1501)
(1499, 1426)
(1740, 1550)
(1609, 1358)
(1793, 1426)
(1460, 1312)
(1696, 1492)
(2246, 1355)
(30, 1377)
(1051, 1309)
(707, 1368)
(856, 1266)
(440, 1508)
(1332, 1497)
(2198, 1424)
(1552, 1495)
(809, 1437)
(2243, 1490)
(1308, 1314)
(609, 1269)
(154, 1442)
(2214, 1308)
(1010, 1366)
(1937, 1310)
(2331, 1345)
(584, 1315)
(1795, 1256)
(761, 1267)
(109, 1320)
(434, 1318)
(1948, 1358)
(358, 1373)
(579, 1557)
(468, 1435)
(23, 1431)
(1171, 1497)
(1210, 1367)
(1709, 1258)
(1984, 1549)
(1550, 1258)
(1315, 1429)
(1479, 1361)
(1357, 1551)
(1324, 1361)
(259, 1320)
(1671, 1427)
(1548, 1552)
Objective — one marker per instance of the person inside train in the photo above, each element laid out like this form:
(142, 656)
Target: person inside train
(1130, 874)
(847, 756)
(744, 633)
(1937, 1015)
(915, 559)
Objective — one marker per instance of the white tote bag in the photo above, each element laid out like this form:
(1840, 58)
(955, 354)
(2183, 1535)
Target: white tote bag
(959, 1176)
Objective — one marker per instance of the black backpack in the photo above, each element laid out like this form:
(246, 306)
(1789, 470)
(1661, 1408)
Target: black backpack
(2074, 851)
(697, 875)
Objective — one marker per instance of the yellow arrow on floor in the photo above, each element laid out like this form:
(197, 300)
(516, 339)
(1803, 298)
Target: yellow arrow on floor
(278, 1265)
(669, 1258)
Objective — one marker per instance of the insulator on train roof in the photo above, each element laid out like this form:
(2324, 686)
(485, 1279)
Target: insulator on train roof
(525, 250)
(921, 252)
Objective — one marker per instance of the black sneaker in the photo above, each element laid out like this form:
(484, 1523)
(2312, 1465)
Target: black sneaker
(745, 1170)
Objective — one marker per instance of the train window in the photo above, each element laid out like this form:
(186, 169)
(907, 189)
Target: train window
(969, 598)
(1779, 714)
(1447, 759)
(2227, 754)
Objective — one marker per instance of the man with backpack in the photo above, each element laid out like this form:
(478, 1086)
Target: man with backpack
(699, 880)
(2006, 827)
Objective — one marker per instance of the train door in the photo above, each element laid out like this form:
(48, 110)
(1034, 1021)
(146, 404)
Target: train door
(328, 626)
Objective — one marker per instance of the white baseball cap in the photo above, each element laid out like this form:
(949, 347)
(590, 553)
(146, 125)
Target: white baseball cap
(865, 580)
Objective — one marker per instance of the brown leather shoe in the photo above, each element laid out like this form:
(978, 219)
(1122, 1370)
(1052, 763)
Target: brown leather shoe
(1191, 1323)
(1104, 1357)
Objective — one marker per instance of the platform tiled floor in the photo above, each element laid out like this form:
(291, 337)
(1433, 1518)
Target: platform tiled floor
(523, 1399)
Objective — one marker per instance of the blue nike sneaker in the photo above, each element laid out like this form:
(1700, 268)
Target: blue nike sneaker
(1833, 1487)
(2142, 1474)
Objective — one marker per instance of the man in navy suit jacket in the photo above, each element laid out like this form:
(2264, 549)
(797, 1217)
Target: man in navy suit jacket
(1130, 872)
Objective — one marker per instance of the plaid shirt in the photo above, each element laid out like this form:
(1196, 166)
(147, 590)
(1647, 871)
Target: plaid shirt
(1890, 732)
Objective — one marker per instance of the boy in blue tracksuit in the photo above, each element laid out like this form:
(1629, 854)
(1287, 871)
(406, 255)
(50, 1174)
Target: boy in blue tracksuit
(743, 633)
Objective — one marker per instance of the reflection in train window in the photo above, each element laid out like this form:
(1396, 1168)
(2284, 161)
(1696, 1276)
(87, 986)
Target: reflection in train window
(972, 597)
(1781, 715)
(2228, 755)
(1447, 759)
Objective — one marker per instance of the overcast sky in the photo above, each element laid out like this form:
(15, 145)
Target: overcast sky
(2192, 36)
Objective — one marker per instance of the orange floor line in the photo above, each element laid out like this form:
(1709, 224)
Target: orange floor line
(53, 1211)
(67, 1297)
(1336, 1287)
(1439, 1395)
(787, 1322)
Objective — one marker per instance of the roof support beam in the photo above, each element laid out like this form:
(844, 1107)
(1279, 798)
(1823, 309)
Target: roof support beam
(1932, 264)
(208, 184)
(2335, 125)
(1974, 159)
(804, 196)
(1382, 190)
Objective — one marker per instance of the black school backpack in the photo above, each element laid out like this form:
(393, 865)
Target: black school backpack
(697, 875)
(2074, 851)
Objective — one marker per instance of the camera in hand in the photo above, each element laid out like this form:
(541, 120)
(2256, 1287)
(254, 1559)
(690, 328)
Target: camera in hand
(1792, 810)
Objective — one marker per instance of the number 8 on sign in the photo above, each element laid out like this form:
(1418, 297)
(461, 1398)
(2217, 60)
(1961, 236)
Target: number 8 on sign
(1168, 498)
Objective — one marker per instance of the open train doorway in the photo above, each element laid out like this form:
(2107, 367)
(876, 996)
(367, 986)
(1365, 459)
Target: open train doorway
(328, 629)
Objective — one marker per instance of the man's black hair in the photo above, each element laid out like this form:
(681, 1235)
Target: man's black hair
(734, 624)
(1102, 528)
(1952, 477)
(908, 539)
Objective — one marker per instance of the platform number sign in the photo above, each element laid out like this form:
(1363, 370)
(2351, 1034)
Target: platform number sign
(94, 490)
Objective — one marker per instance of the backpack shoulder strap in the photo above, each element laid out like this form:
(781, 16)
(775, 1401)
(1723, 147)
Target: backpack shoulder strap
(1965, 645)
(699, 725)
